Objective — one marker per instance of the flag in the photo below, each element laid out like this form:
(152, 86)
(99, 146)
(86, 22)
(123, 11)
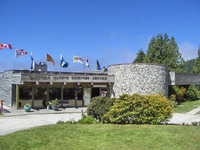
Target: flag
(50, 59)
(32, 62)
(87, 63)
(79, 59)
(2, 46)
(20, 52)
(63, 63)
(98, 67)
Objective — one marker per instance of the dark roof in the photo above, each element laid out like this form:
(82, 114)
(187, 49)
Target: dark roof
(55, 72)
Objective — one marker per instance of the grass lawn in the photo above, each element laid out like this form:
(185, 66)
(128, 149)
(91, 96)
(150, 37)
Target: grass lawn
(187, 106)
(104, 137)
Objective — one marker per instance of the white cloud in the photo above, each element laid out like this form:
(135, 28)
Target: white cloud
(188, 50)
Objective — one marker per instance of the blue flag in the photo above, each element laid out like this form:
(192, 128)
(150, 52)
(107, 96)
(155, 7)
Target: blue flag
(32, 62)
(98, 67)
(63, 63)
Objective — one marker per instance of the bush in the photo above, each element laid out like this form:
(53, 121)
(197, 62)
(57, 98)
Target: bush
(71, 121)
(172, 99)
(99, 106)
(181, 96)
(87, 120)
(138, 109)
(192, 93)
(54, 102)
(179, 92)
(60, 122)
(196, 123)
(27, 105)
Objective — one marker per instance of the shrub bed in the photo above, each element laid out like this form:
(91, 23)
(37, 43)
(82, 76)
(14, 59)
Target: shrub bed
(139, 109)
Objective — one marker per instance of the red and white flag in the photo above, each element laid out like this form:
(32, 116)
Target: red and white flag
(20, 52)
(2, 46)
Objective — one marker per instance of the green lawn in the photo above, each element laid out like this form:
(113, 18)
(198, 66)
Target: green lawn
(187, 106)
(104, 137)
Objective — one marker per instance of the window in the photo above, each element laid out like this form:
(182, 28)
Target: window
(80, 93)
(95, 92)
(25, 92)
(54, 93)
(69, 93)
(40, 93)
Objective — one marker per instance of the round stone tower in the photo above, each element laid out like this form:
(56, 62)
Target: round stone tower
(139, 78)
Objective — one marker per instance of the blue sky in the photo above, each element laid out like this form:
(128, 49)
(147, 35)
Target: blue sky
(112, 31)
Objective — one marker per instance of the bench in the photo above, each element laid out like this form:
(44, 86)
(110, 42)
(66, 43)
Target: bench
(62, 102)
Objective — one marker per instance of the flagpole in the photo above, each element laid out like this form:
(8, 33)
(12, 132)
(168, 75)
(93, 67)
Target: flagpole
(14, 61)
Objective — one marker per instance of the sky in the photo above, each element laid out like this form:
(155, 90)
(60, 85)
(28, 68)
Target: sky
(112, 31)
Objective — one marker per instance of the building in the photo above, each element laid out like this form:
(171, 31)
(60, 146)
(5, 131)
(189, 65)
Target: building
(38, 87)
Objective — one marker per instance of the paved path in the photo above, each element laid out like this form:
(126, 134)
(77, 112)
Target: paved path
(179, 118)
(194, 111)
(16, 123)
(15, 120)
(9, 111)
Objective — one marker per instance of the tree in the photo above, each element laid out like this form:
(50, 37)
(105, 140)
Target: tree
(196, 68)
(140, 57)
(163, 50)
(189, 66)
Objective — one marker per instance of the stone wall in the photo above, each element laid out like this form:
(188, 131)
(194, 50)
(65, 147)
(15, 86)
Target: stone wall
(139, 78)
(6, 80)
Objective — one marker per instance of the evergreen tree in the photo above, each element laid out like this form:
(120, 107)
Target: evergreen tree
(196, 68)
(189, 66)
(140, 57)
(163, 50)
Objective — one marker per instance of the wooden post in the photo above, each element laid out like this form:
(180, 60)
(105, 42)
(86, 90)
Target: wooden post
(17, 96)
(33, 96)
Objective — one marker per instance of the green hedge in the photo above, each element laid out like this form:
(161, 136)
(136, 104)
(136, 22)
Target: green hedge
(192, 93)
(139, 109)
(179, 91)
(99, 106)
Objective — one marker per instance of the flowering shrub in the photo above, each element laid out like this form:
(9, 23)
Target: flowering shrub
(139, 109)
(179, 91)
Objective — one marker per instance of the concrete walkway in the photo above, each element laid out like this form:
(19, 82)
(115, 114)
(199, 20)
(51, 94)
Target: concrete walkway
(21, 122)
(187, 118)
(14, 120)
(194, 111)
(179, 118)
(9, 111)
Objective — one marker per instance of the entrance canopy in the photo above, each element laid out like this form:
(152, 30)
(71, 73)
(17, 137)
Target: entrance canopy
(55, 77)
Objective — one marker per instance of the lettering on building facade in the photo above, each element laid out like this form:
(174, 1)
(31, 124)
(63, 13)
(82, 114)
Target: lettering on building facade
(62, 78)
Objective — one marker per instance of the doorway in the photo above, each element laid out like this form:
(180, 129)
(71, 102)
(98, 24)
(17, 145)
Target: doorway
(95, 92)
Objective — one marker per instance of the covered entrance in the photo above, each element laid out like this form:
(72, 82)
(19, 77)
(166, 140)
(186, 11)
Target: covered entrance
(74, 90)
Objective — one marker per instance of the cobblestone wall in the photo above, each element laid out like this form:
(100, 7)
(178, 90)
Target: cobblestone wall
(139, 78)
